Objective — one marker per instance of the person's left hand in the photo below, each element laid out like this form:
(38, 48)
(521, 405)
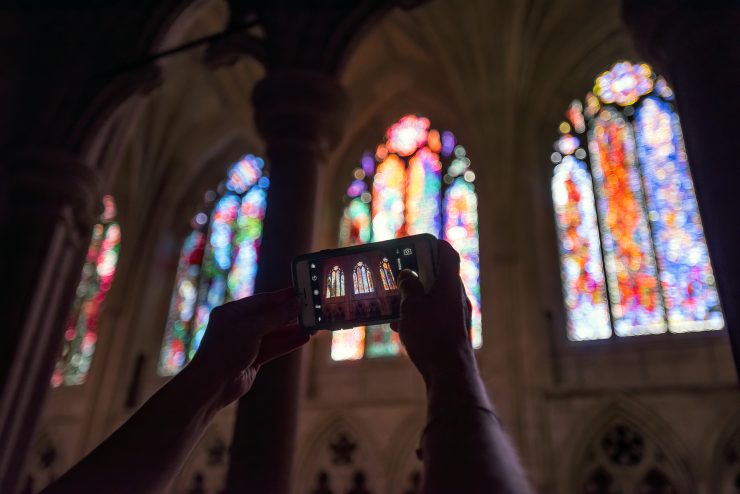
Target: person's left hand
(244, 334)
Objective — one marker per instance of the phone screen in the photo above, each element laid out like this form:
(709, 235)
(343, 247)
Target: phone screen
(360, 285)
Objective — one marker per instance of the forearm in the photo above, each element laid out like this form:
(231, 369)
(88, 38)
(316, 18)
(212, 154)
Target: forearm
(464, 448)
(146, 452)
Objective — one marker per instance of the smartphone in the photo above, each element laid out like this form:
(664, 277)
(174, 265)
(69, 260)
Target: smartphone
(358, 286)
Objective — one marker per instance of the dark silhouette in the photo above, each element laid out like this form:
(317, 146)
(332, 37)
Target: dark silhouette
(463, 446)
(358, 484)
(322, 484)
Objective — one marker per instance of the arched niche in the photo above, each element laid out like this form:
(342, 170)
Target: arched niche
(626, 448)
(338, 456)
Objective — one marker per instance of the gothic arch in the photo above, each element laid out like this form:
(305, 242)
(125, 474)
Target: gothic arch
(625, 443)
(207, 465)
(48, 457)
(722, 464)
(400, 460)
(340, 445)
(177, 153)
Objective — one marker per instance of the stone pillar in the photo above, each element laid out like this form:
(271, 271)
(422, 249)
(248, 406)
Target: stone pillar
(299, 114)
(697, 48)
(50, 202)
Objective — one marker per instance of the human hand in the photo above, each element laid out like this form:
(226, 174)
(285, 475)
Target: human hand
(244, 334)
(434, 327)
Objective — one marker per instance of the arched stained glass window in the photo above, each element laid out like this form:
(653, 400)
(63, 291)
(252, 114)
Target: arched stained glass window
(417, 181)
(632, 250)
(218, 260)
(335, 283)
(362, 278)
(389, 281)
(81, 331)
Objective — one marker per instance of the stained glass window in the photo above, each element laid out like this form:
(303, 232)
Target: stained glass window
(335, 283)
(417, 181)
(632, 250)
(218, 260)
(389, 281)
(362, 278)
(81, 332)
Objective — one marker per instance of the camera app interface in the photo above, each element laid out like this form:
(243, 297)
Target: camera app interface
(361, 285)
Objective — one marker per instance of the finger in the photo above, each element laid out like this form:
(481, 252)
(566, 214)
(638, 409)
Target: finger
(448, 261)
(281, 341)
(410, 284)
(465, 297)
(265, 311)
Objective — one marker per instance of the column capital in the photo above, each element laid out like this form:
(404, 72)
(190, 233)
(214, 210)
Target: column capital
(44, 182)
(300, 107)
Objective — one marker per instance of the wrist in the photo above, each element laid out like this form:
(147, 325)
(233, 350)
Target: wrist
(456, 385)
(201, 389)
(451, 369)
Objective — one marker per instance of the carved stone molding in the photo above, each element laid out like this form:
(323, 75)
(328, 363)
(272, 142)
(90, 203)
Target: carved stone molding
(300, 107)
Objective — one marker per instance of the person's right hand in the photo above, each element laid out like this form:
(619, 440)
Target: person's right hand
(434, 327)
(244, 334)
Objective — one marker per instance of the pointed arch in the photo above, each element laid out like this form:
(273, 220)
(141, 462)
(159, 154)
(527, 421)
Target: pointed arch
(362, 278)
(340, 447)
(218, 260)
(632, 251)
(417, 180)
(401, 461)
(624, 445)
(335, 283)
(724, 457)
(98, 273)
(386, 275)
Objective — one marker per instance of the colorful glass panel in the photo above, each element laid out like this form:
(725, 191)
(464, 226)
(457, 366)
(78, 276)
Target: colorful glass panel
(461, 231)
(354, 228)
(381, 341)
(81, 332)
(649, 224)
(389, 281)
(567, 144)
(575, 115)
(335, 283)
(624, 83)
(388, 199)
(348, 344)
(247, 238)
(407, 135)
(422, 193)
(580, 252)
(631, 272)
(409, 194)
(362, 279)
(689, 291)
(218, 263)
(182, 307)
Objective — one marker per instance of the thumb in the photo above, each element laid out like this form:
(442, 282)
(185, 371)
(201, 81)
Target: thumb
(410, 284)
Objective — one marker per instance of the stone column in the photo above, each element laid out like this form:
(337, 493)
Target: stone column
(697, 48)
(51, 200)
(300, 114)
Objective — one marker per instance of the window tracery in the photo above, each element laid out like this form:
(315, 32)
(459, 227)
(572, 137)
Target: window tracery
(419, 180)
(623, 459)
(632, 251)
(98, 272)
(218, 260)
